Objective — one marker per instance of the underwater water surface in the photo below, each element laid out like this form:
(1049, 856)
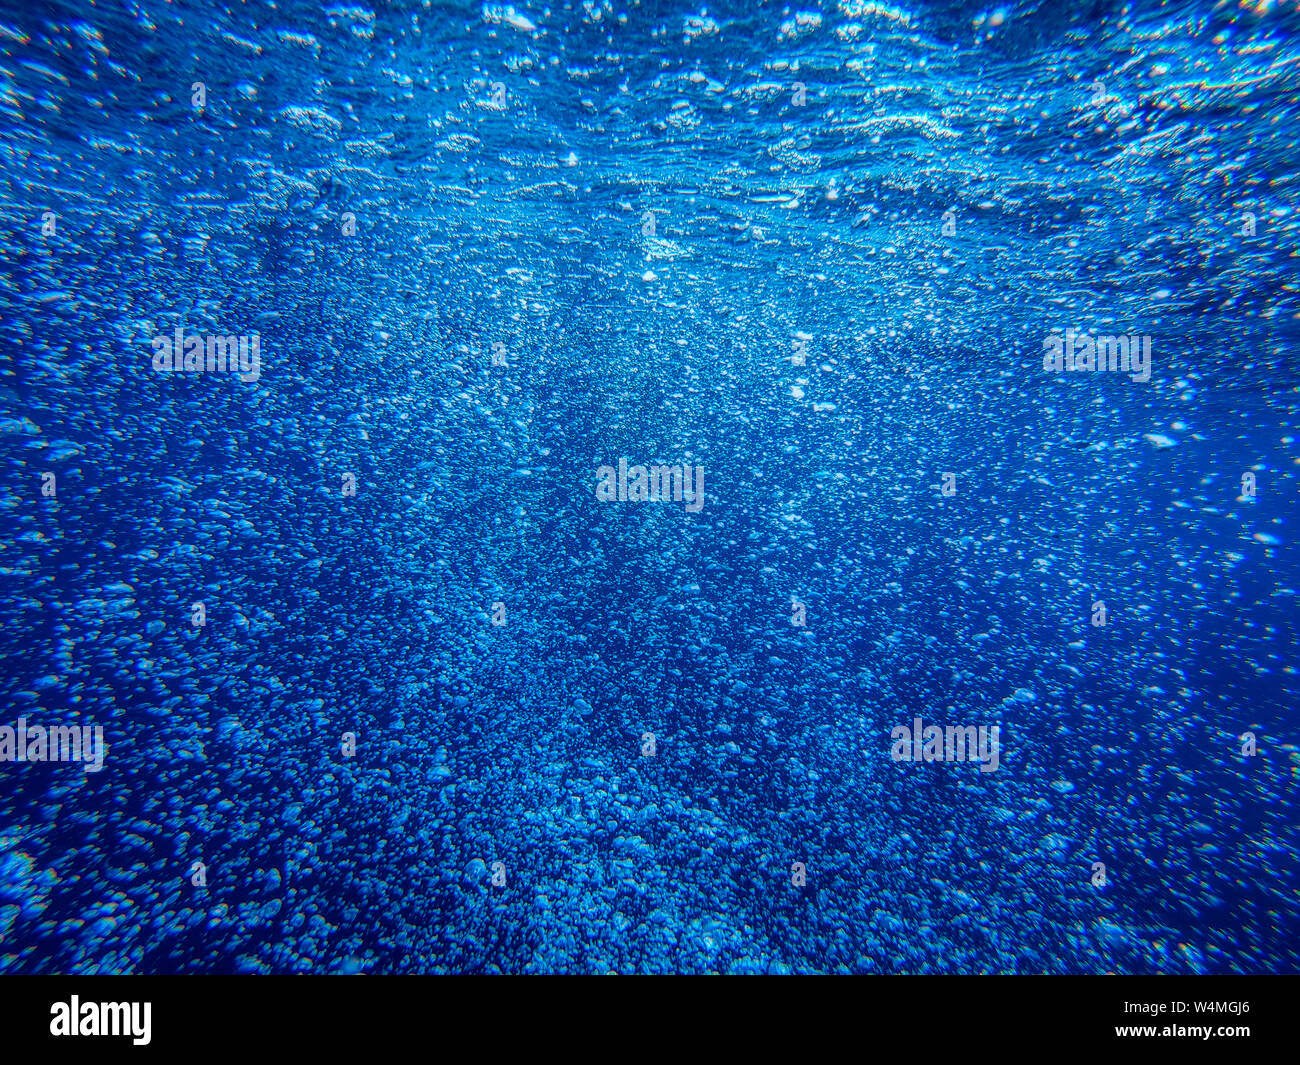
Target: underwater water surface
(343, 346)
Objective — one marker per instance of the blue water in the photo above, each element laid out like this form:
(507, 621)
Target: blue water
(815, 250)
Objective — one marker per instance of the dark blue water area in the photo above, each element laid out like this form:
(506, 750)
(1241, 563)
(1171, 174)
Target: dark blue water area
(815, 250)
